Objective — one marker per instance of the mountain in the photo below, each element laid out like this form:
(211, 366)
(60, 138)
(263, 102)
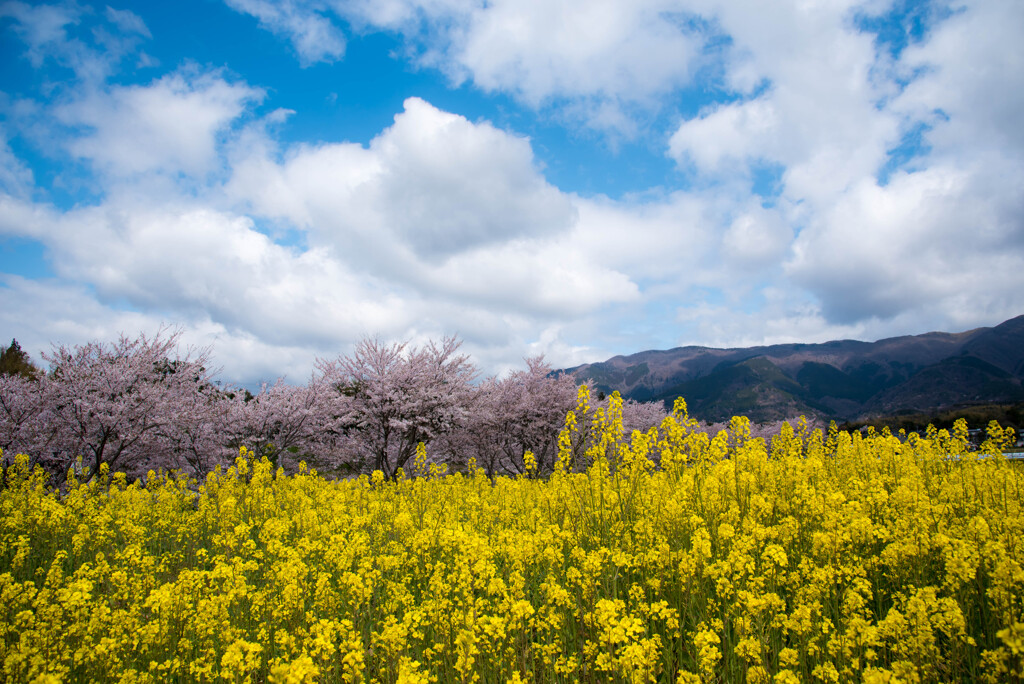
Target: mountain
(843, 379)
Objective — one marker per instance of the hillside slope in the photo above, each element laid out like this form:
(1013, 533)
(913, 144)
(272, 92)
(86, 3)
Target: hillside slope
(844, 379)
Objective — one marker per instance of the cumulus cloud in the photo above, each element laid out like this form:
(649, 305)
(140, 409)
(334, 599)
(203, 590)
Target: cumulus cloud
(191, 260)
(926, 237)
(548, 279)
(736, 133)
(434, 180)
(784, 317)
(948, 235)
(439, 224)
(171, 125)
(546, 50)
(596, 60)
(450, 184)
(756, 237)
(963, 83)
(655, 240)
(442, 205)
(817, 113)
(833, 110)
(543, 51)
(47, 312)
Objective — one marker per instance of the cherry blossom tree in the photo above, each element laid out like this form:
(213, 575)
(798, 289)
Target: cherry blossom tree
(112, 403)
(136, 405)
(23, 428)
(399, 396)
(196, 438)
(642, 415)
(287, 423)
(521, 412)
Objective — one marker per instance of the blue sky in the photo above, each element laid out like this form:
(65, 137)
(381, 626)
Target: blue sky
(574, 178)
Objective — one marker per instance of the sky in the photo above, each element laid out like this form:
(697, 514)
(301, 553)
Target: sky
(578, 178)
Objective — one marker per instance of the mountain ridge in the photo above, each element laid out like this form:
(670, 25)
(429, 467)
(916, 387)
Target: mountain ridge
(841, 379)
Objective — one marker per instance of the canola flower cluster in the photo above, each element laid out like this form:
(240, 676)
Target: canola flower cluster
(669, 556)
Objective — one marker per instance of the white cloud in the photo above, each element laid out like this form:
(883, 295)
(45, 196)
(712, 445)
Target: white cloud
(728, 135)
(41, 312)
(757, 237)
(313, 35)
(42, 28)
(598, 58)
(22, 218)
(676, 246)
(948, 237)
(817, 115)
(45, 28)
(543, 278)
(784, 318)
(653, 240)
(944, 236)
(169, 126)
(434, 181)
(438, 225)
(269, 310)
(15, 176)
(542, 49)
(128, 22)
(190, 260)
(451, 185)
(922, 241)
(971, 75)
(44, 313)
(440, 205)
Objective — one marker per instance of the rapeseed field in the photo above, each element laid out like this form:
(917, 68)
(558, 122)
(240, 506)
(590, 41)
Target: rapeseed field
(669, 556)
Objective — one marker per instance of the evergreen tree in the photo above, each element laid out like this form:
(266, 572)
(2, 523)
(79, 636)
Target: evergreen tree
(14, 361)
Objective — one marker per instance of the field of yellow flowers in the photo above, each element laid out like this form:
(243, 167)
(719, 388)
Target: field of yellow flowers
(665, 557)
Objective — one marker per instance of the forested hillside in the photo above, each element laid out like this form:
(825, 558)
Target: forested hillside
(843, 379)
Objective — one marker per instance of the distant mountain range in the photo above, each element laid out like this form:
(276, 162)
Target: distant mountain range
(844, 379)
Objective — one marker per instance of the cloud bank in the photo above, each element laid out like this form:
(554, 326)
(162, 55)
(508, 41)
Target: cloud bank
(850, 169)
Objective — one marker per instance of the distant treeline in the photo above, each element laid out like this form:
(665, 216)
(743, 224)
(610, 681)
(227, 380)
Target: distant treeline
(977, 417)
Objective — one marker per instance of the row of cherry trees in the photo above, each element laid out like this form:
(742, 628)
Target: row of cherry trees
(138, 405)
